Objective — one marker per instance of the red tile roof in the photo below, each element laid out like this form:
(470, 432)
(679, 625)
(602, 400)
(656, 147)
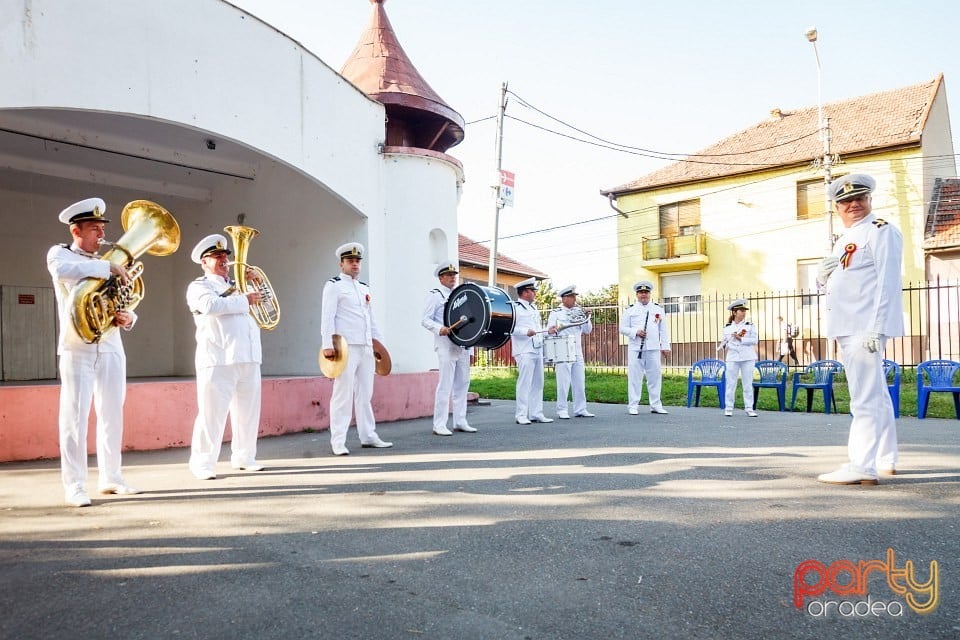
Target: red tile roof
(942, 230)
(869, 123)
(474, 254)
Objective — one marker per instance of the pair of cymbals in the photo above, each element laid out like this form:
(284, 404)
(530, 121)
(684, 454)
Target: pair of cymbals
(333, 366)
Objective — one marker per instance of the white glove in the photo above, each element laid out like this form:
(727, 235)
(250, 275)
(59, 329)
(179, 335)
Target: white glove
(871, 342)
(827, 265)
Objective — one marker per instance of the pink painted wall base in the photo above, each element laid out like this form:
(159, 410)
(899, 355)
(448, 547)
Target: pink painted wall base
(160, 414)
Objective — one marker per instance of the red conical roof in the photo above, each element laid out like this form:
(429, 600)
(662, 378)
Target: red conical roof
(379, 67)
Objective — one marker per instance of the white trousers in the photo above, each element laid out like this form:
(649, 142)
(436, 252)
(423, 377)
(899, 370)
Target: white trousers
(102, 379)
(744, 371)
(529, 385)
(873, 429)
(571, 374)
(352, 392)
(454, 368)
(637, 368)
(223, 389)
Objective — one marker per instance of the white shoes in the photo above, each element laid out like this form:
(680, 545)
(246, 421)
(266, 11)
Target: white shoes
(204, 474)
(659, 410)
(728, 412)
(523, 421)
(376, 444)
(584, 414)
(339, 450)
(847, 475)
(633, 411)
(563, 415)
(118, 488)
(542, 419)
(751, 413)
(465, 428)
(248, 466)
(442, 431)
(77, 497)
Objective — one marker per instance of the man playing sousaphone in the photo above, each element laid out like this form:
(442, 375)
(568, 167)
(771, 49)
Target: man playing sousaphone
(347, 312)
(228, 361)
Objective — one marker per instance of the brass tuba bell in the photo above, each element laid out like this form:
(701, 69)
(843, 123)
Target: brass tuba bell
(94, 302)
(266, 313)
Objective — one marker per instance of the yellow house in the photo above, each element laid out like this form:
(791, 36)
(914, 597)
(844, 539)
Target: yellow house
(748, 213)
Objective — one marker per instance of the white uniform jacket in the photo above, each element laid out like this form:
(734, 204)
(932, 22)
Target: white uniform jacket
(347, 312)
(432, 320)
(744, 349)
(864, 293)
(527, 317)
(651, 315)
(226, 332)
(68, 266)
(561, 316)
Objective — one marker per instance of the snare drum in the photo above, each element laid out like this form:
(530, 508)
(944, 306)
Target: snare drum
(485, 316)
(560, 349)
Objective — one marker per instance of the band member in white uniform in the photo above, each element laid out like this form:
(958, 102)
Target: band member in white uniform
(526, 344)
(227, 361)
(570, 373)
(740, 339)
(88, 372)
(454, 360)
(644, 323)
(864, 307)
(347, 312)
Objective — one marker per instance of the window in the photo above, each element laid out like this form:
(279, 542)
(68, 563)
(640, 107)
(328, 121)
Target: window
(680, 219)
(807, 279)
(810, 200)
(681, 292)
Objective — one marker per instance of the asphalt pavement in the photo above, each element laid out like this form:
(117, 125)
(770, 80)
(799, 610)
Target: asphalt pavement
(687, 525)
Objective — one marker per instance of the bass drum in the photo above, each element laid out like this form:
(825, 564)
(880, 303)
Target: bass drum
(480, 316)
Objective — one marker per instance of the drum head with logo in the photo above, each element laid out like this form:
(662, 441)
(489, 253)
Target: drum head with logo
(480, 316)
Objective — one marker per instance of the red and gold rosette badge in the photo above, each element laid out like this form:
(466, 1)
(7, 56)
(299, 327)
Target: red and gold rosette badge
(848, 252)
(368, 298)
(656, 318)
(742, 333)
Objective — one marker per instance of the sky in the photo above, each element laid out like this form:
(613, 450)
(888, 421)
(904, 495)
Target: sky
(669, 77)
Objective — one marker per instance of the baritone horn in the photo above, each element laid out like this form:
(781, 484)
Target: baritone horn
(266, 313)
(94, 302)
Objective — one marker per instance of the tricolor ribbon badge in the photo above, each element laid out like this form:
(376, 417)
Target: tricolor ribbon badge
(848, 252)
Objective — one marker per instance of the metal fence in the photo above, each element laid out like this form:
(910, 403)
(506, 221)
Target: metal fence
(931, 320)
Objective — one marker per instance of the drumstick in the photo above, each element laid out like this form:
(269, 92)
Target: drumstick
(459, 322)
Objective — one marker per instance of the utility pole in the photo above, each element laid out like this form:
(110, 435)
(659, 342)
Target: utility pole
(498, 201)
(823, 126)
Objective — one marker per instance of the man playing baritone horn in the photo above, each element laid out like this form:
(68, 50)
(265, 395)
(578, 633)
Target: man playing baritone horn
(89, 372)
(227, 360)
(453, 360)
(527, 347)
(570, 373)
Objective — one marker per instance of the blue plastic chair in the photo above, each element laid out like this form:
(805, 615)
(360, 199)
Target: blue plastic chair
(708, 372)
(773, 375)
(941, 374)
(823, 372)
(892, 370)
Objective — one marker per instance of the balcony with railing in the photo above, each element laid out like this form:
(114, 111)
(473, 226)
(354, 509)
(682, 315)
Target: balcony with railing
(675, 253)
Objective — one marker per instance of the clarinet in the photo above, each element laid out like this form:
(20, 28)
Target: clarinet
(643, 340)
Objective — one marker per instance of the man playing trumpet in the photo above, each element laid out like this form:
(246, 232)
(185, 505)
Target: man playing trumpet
(89, 372)
(570, 315)
(454, 360)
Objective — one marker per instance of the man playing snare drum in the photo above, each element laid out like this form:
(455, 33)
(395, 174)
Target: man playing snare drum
(569, 315)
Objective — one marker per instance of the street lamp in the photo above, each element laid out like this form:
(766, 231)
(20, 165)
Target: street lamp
(823, 125)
